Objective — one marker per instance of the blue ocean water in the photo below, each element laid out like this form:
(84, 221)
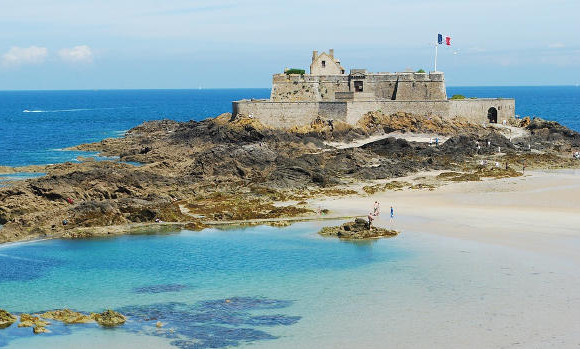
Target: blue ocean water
(36, 125)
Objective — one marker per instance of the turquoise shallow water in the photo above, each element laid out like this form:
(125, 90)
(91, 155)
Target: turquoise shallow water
(253, 268)
(286, 288)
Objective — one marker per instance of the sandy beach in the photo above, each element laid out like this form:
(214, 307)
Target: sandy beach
(539, 211)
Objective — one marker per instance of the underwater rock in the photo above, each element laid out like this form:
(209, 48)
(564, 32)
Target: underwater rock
(6, 319)
(359, 229)
(67, 316)
(109, 318)
(216, 323)
(159, 288)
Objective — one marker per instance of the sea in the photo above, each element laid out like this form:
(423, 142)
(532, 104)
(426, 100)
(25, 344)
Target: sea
(261, 286)
(35, 126)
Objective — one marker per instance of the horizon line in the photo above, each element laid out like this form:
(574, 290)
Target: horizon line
(238, 88)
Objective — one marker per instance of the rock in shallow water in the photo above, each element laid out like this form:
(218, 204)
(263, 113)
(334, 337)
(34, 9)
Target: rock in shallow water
(6, 319)
(40, 329)
(357, 230)
(27, 320)
(109, 318)
(67, 316)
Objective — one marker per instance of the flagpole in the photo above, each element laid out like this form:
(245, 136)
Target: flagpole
(436, 46)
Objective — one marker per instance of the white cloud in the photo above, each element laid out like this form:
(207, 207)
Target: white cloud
(17, 56)
(77, 54)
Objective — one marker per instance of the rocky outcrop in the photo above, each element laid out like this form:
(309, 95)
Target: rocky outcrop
(67, 316)
(109, 318)
(40, 329)
(27, 320)
(227, 168)
(6, 319)
(406, 122)
(357, 230)
(38, 322)
(550, 133)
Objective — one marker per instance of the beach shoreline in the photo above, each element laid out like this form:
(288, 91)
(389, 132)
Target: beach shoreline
(537, 212)
(534, 212)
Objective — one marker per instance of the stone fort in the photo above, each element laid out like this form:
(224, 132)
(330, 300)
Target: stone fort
(328, 92)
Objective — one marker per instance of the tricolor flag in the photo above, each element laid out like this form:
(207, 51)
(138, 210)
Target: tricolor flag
(440, 40)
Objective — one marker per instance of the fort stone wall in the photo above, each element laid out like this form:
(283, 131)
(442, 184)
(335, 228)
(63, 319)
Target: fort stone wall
(295, 87)
(290, 114)
(356, 109)
(389, 86)
(421, 87)
(476, 110)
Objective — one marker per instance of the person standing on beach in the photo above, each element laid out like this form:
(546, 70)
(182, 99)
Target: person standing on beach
(392, 215)
(375, 213)
(376, 208)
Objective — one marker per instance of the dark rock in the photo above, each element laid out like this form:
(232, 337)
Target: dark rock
(109, 318)
(359, 229)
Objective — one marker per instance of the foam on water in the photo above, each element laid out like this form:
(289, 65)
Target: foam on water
(71, 110)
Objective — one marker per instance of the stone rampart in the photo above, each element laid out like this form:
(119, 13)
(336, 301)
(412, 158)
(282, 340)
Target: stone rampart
(289, 114)
(392, 86)
(476, 110)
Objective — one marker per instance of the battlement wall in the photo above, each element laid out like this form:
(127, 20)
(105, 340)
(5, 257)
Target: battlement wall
(389, 86)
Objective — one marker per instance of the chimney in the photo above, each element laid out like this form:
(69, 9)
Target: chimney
(314, 55)
(331, 53)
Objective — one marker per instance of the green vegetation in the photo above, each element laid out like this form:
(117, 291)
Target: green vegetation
(420, 71)
(295, 71)
(457, 97)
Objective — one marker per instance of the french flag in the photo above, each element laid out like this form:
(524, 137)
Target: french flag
(440, 40)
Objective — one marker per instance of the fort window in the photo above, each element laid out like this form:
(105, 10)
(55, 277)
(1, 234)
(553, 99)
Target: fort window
(492, 115)
(323, 64)
(358, 86)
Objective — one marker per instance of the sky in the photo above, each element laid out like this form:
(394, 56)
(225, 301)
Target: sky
(150, 44)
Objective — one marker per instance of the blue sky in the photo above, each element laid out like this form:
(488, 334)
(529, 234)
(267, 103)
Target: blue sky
(98, 44)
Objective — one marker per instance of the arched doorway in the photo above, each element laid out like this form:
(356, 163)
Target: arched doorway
(492, 115)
